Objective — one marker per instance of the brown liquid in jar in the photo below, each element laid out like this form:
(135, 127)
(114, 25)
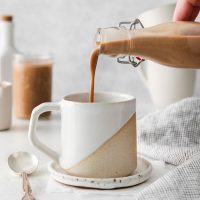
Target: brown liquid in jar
(31, 86)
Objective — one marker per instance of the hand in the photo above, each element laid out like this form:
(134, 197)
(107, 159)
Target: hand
(186, 10)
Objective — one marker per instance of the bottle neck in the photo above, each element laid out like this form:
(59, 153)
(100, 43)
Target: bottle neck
(114, 41)
(6, 34)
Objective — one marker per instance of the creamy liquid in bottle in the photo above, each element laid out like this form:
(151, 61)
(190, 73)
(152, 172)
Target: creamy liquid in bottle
(175, 44)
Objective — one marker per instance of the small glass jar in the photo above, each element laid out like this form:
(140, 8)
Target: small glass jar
(32, 83)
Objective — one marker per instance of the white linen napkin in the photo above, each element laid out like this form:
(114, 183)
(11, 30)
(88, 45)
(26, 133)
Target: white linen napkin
(181, 183)
(173, 135)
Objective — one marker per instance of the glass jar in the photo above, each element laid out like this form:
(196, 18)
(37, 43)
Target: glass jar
(32, 83)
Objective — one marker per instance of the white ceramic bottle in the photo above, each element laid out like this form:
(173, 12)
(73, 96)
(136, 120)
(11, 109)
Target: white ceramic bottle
(7, 48)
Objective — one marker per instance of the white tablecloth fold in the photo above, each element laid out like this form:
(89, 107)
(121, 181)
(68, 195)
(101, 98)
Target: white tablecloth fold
(173, 134)
(181, 183)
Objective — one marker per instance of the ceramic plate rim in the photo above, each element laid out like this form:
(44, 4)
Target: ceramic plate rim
(101, 183)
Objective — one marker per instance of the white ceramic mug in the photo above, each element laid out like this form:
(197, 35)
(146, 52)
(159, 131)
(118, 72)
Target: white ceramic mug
(165, 84)
(5, 105)
(97, 139)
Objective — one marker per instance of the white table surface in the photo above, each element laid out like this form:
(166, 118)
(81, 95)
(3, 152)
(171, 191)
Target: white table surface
(16, 139)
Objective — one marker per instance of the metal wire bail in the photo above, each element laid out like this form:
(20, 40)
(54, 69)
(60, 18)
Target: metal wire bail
(134, 61)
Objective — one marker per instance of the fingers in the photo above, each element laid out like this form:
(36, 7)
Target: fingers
(186, 10)
(194, 2)
(194, 14)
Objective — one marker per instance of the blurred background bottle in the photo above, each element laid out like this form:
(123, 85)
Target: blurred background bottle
(7, 47)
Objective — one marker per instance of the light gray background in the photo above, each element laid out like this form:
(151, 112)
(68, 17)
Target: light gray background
(67, 28)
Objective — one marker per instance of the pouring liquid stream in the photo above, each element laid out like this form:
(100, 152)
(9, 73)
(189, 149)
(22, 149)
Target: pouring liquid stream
(93, 63)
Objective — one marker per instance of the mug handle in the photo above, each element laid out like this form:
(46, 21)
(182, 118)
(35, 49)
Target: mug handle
(37, 111)
(142, 73)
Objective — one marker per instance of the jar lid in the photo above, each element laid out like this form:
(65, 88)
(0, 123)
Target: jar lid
(33, 58)
(7, 18)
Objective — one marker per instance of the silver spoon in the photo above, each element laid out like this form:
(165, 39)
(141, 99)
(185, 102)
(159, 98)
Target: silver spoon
(23, 163)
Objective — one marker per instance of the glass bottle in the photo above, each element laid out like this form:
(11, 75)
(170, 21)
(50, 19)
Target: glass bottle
(175, 44)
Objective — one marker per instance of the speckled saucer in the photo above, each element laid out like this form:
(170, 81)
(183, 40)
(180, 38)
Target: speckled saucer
(141, 174)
